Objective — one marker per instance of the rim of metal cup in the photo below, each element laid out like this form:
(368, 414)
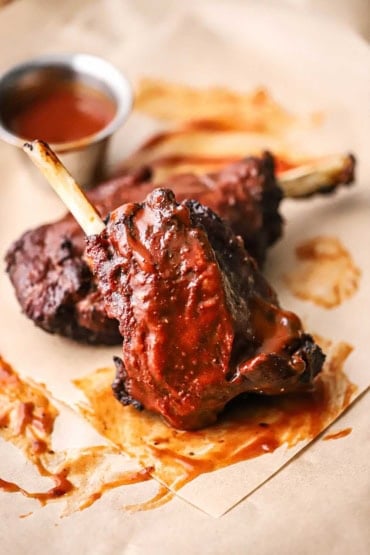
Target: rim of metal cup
(86, 65)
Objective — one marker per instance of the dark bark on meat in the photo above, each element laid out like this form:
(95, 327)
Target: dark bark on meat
(200, 324)
(245, 194)
(54, 285)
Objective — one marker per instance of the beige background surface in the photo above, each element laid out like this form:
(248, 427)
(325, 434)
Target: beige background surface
(319, 502)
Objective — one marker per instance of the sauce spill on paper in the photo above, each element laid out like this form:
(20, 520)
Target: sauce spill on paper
(217, 107)
(338, 435)
(188, 162)
(251, 426)
(326, 273)
(208, 128)
(163, 496)
(62, 487)
(27, 419)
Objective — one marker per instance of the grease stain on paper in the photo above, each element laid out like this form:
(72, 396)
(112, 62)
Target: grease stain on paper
(326, 273)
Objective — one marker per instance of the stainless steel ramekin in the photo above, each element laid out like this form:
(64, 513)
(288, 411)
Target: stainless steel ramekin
(84, 157)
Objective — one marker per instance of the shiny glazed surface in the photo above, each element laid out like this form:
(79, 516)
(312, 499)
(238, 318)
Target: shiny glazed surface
(200, 324)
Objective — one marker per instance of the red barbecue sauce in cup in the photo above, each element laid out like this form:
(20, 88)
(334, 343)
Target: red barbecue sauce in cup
(63, 113)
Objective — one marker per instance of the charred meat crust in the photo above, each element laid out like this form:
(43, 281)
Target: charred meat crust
(118, 386)
(53, 283)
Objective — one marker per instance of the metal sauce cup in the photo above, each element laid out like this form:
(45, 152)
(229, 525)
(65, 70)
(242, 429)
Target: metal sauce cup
(85, 157)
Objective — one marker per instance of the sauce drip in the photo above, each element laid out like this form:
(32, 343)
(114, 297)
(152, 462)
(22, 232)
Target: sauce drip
(249, 428)
(63, 113)
(161, 498)
(338, 435)
(273, 326)
(62, 487)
